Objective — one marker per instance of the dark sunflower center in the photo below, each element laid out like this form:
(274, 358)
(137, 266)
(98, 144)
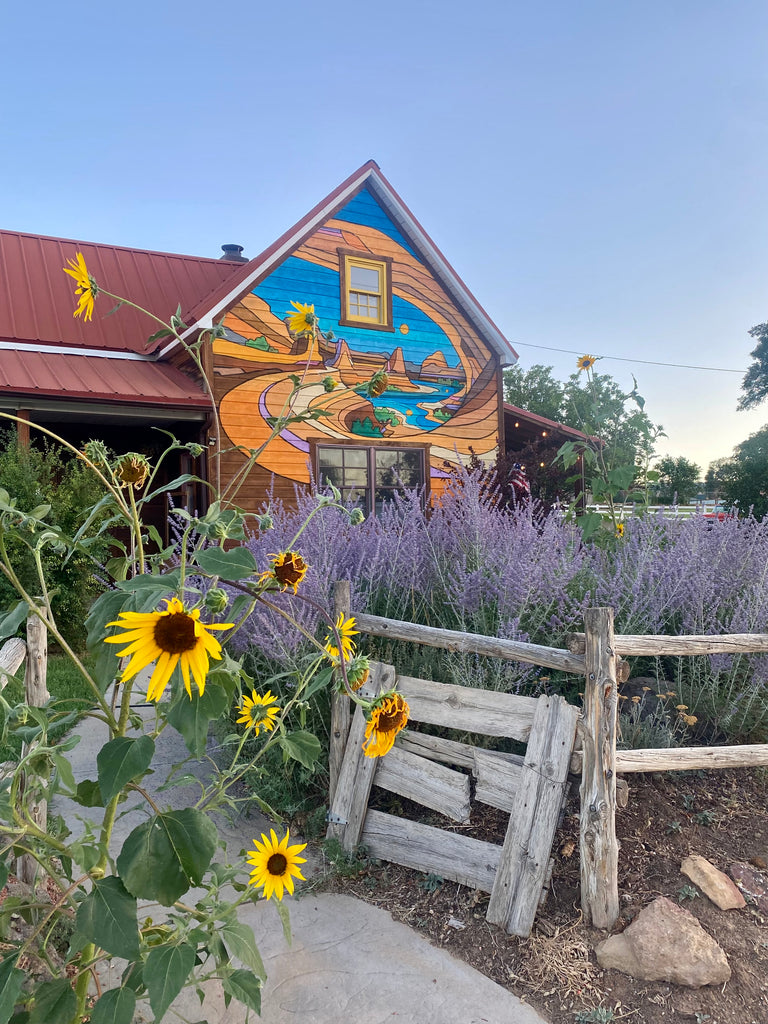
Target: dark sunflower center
(390, 720)
(175, 633)
(277, 864)
(291, 571)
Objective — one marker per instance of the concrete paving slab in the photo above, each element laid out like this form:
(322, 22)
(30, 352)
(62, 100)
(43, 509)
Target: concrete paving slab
(347, 961)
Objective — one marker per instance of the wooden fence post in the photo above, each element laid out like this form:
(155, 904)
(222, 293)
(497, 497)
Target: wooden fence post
(12, 653)
(340, 711)
(599, 848)
(36, 696)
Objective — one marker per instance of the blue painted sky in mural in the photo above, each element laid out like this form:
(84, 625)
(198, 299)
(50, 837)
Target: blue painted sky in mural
(424, 336)
(595, 172)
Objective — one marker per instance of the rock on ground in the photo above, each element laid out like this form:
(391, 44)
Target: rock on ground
(713, 883)
(666, 943)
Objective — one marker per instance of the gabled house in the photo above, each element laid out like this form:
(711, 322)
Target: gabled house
(386, 300)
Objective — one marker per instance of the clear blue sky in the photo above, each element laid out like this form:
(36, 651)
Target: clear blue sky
(595, 171)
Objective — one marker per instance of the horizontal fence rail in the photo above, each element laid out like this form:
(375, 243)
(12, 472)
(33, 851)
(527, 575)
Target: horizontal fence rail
(472, 643)
(648, 646)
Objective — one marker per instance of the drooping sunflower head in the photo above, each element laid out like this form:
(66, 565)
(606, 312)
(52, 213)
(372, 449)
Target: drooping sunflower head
(86, 288)
(275, 864)
(303, 320)
(132, 470)
(169, 638)
(259, 712)
(386, 718)
(378, 383)
(288, 570)
(346, 630)
(586, 362)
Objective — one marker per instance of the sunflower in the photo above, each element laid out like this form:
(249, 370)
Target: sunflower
(303, 320)
(275, 864)
(586, 362)
(346, 630)
(620, 529)
(288, 570)
(387, 717)
(378, 384)
(132, 470)
(167, 637)
(259, 712)
(87, 288)
(358, 671)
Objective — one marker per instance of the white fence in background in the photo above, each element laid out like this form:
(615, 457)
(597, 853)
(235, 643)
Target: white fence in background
(627, 510)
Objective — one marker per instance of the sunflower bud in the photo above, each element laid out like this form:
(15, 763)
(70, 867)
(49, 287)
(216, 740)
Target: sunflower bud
(265, 521)
(216, 600)
(329, 384)
(132, 470)
(378, 384)
(358, 671)
(195, 450)
(356, 516)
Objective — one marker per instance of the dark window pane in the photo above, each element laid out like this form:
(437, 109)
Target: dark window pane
(331, 475)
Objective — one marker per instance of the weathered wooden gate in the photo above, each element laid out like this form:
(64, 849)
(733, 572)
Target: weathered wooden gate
(427, 769)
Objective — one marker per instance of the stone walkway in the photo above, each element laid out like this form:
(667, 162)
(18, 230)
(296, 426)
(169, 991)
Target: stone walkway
(347, 961)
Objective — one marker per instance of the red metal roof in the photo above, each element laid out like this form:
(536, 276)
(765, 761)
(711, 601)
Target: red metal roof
(37, 298)
(97, 378)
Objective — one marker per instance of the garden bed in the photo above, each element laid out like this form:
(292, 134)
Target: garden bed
(722, 815)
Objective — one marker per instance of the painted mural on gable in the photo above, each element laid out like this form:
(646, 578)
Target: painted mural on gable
(442, 387)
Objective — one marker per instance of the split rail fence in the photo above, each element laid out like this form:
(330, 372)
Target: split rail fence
(561, 740)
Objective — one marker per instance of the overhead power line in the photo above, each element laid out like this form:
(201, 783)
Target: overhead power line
(626, 359)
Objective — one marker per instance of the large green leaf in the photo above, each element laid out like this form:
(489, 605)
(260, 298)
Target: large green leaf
(238, 937)
(235, 564)
(121, 760)
(115, 1007)
(107, 916)
(11, 980)
(167, 855)
(103, 610)
(11, 620)
(244, 986)
(191, 717)
(55, 1003)
(301, 746)
(165, 971)
(88, 794)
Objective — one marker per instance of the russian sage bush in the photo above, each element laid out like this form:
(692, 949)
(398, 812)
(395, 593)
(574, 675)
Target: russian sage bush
(525, 573)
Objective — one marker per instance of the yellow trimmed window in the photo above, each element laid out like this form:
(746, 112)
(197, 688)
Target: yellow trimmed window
(366, 291)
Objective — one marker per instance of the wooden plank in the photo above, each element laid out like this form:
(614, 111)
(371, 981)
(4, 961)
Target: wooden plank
(37, 695)
(528, 844)
(468, 709)
(430, 784)
(475, 643)
(598, 846)
(357, 771)
(497, 778)
(437, 748)
(678, 759)
(646, 646)
(468, 861)
(12, 653)
(340, 710)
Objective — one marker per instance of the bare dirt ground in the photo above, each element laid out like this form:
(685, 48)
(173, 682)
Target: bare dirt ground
(722, 815)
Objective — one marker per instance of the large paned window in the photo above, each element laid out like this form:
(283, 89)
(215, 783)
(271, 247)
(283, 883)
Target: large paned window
(366, 291)
(369, 477)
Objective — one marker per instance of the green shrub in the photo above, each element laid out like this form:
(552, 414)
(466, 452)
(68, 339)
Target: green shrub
(43, 474)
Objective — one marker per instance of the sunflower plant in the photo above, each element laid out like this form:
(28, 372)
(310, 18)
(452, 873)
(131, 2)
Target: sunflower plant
(158, 635)
(603, 473)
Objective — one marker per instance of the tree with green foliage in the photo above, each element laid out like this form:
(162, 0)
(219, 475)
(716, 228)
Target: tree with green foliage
(745, 476)
(535, 390)
(678, 480)
(755, 383)
(719, 470)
